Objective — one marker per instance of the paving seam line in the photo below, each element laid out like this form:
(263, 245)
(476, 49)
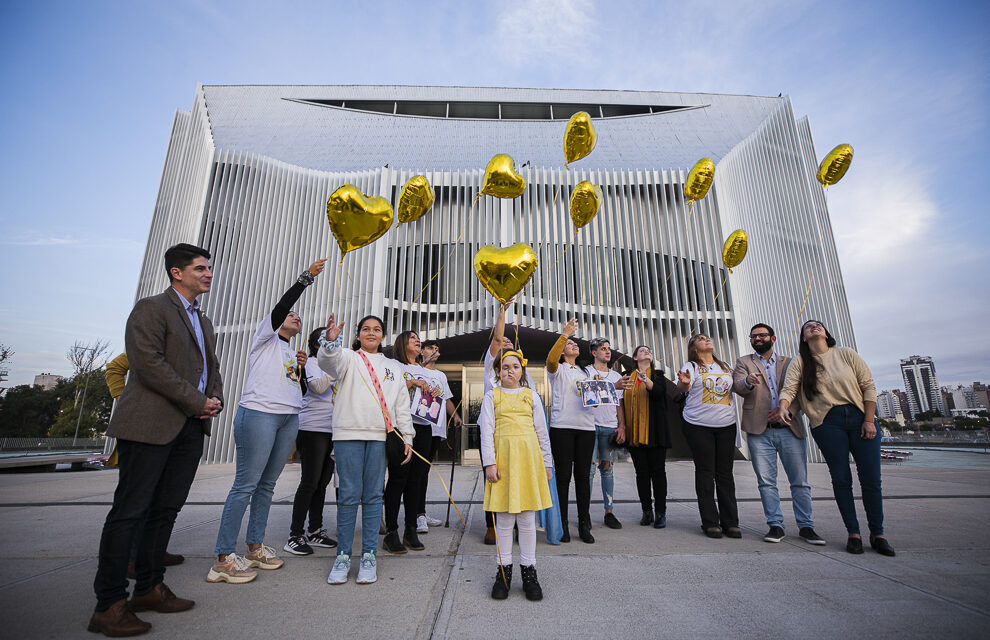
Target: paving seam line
(46, 573)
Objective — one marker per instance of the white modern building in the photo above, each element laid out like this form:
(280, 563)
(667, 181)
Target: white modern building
(249, 169)
(921, 385)
(889, 408)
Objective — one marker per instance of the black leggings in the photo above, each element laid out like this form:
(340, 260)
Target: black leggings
(572, 450)
(419, 473)
(397, 485)
(713, 449)
(314, 449)
(651, 472)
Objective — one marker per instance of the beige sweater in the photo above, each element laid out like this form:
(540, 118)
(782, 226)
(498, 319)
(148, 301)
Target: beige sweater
(845, 380)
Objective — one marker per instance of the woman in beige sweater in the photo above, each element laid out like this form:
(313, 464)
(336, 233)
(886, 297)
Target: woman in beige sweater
(838, 395)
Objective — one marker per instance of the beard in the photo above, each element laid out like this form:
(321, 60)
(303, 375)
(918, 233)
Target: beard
(763, 347)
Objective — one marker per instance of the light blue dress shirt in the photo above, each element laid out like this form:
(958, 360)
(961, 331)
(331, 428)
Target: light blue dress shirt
(192, 310)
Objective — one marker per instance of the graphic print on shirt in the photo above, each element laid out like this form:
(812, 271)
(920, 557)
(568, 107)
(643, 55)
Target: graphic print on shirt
(716, 388)
(291, 374)
(388, 374)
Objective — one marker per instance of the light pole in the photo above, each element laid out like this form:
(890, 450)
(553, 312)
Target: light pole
(82, 403)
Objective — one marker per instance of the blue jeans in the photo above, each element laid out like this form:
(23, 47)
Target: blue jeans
(361, 469)
(837, 437)
(264, 442)
(604, 453)
(793, 452)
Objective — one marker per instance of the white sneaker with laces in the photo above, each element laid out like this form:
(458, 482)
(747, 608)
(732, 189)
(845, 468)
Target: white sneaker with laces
(433, 522)
(341, 567)
(368, 569)
(421, 526)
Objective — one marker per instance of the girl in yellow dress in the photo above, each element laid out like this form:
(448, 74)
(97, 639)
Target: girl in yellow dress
(515, 451)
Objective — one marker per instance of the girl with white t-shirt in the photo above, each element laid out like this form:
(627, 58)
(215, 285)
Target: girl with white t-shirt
(314, 442)
(710, 430)
(371, 406)
(572, 430)
(264, 429)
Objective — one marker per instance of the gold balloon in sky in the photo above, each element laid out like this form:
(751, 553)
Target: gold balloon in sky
(734, 249)
(355, 219)
(834, 165)
(586, 201)
(415, 200)
(501, 179)
(699, 180)
(504, 272)
(579, 137)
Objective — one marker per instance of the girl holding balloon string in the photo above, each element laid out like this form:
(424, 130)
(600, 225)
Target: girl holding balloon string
(515, 452)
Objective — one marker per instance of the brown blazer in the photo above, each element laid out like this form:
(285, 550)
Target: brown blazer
(166, 364)
(756, 401)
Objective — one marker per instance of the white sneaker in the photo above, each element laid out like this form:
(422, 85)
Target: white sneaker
(433, 522)
(421, 526)
(341, 566)
(368, 570)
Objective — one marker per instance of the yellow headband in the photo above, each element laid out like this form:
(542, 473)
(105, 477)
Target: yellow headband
(515, 353)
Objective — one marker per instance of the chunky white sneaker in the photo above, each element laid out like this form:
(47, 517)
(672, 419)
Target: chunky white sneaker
(233, 569)
(368, 569)
(263, 558)
(433, 522)
(421, 526)
(341, 566)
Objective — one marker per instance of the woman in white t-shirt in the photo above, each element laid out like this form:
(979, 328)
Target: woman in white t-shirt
(572, 430)
(264, 429)
(314, 443)
(710, 430)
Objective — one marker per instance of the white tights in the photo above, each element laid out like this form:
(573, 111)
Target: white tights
(526, 521)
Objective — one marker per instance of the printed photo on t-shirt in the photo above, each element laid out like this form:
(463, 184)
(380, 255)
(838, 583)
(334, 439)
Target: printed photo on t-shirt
(291, 371)
(426, 406)
(716, 388)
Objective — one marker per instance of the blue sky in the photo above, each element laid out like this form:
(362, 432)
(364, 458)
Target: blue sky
(92, 87)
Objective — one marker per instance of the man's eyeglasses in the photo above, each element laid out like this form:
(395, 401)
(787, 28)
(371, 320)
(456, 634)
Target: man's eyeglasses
(754, 336)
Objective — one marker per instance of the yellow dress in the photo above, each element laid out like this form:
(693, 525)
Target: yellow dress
(523, 486)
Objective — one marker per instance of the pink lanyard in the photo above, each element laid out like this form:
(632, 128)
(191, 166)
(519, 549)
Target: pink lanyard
(378, 391)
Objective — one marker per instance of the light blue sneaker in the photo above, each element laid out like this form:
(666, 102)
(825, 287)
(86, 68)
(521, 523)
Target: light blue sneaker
(341, 565)
(368, 571)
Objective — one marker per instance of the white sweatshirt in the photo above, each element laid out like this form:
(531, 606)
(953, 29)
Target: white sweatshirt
(357, 413)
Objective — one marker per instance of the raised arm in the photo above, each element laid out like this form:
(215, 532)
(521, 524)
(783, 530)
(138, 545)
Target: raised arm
(281, 310)
(553, 358)
(498, 333)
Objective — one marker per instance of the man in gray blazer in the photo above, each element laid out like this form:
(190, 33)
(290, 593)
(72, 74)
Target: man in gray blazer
(173, 390)
(758, 378)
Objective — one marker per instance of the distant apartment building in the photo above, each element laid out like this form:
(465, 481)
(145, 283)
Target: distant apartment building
(960, 397)
(46, 381)
(921, 386)
(981, 399)
(889, 407)
(902, 400)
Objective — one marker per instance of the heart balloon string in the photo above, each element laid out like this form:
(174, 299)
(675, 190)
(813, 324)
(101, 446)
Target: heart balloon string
(801, 312)
(721, 288)
(450, 251)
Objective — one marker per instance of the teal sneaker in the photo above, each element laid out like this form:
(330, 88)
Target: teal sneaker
(341, 565)
(368, 570)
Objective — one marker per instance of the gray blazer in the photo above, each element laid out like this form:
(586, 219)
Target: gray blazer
(166, 365)
(756, 401)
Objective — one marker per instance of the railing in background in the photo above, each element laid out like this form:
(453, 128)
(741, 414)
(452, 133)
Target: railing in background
(50, 444)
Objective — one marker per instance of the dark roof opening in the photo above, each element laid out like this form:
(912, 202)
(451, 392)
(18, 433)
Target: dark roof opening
(475, 110)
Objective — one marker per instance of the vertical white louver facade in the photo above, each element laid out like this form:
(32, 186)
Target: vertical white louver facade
(249, 169)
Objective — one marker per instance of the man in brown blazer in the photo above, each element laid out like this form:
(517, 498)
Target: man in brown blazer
(758, 378)
(160, 420)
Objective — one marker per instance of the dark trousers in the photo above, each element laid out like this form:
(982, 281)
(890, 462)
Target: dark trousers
(837, 437)
(397, 489)
(415, 497)
(314, 449)
(713, 449)
(572, 451)
(651, 473)
(152, 486)
(424, 483)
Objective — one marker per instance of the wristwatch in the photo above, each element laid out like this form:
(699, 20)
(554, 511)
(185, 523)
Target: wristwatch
(305, 278)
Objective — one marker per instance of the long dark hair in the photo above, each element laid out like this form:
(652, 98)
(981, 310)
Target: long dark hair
(693, 353)
(582, 361)
(314, 341)
(400, 346)
(810, 366)
(357, 343)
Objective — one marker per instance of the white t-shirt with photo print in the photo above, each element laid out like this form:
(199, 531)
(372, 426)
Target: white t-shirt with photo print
(709, 401)
(435, 379)
(272, 382)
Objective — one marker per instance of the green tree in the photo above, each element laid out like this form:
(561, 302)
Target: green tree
(96, 411)
(927, 415)
(27, 411)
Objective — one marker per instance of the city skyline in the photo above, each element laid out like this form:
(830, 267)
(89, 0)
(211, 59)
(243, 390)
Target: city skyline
(85, 147)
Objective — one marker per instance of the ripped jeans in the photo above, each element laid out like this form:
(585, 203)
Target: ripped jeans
(604, 453)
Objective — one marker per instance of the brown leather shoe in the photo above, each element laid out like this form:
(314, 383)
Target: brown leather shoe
(490, 536)
(172, 559)
(117, 622)
(160, 599)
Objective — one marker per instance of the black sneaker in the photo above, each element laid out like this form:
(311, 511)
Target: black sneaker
(809, 536)
(297, 546)
(321, 539)
(611, 521)
(776, 534)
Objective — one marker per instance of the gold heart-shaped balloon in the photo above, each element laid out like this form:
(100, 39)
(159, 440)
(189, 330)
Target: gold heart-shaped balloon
(699, 180)
(501, 179)
(834, 165)
(356, 219)
(734, 249)
(415, 200)
(586, 201)
(504, 272)
(579, 137)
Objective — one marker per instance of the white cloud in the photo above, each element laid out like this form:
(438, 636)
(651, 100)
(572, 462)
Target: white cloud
(34, 240)
(526, 30)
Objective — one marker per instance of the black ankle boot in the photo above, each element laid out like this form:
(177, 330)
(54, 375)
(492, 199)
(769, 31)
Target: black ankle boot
(566, 535)
(392, 544)
(500, 590)
(660, 521)
(584, 530)
(411, 540)
(530, 584)
(647, 518)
